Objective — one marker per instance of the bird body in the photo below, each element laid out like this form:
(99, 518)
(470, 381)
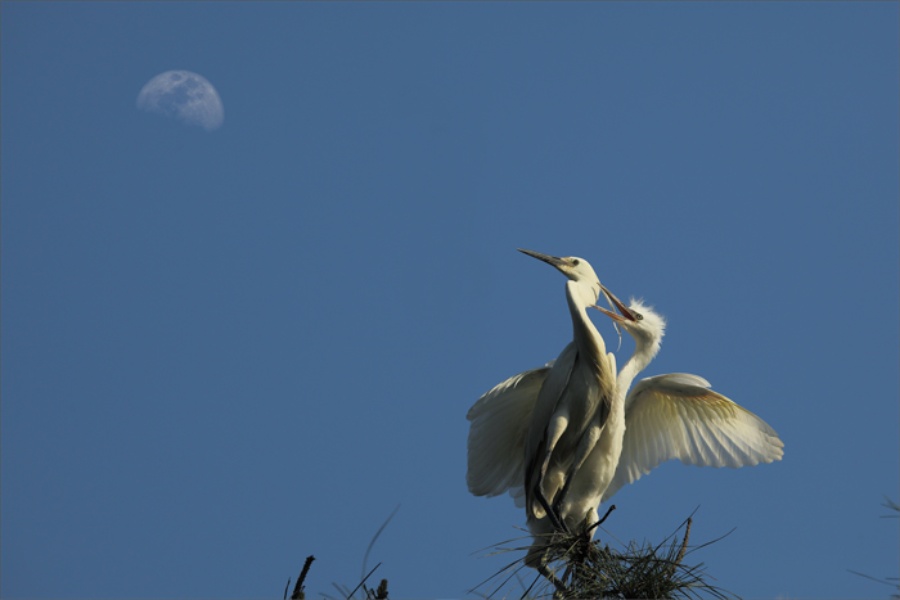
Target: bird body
(674, 416)
(599, 469)
(666, 417)
(573, 402)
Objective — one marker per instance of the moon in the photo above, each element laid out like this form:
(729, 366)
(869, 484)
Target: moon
(185, 96)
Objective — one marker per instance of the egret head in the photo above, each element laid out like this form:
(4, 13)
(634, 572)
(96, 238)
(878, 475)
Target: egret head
(576, 269)
(644, 324)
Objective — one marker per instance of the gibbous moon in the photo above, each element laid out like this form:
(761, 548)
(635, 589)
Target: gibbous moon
(185, 96)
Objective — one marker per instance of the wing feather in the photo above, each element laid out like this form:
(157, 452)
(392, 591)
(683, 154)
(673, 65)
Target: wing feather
(537, 448)
(499, 424)
(678, 416)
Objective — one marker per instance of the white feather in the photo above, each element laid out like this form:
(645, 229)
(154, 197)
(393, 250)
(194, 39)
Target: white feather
(499, 424)
(677, 416)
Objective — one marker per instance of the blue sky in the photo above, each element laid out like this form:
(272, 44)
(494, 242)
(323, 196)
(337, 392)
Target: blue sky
(224, 351)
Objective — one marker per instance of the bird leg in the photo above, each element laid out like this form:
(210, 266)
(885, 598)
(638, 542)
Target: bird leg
(561, 590)
(587, 443)
(556, 509)
(552, 511)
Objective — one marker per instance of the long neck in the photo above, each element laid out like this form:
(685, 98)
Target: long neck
(589, 341)
(644, 352)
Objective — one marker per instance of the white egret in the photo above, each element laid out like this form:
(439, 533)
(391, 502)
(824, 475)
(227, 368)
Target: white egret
(672, 416)
(567, 417)
(591, 481)
(662, 418)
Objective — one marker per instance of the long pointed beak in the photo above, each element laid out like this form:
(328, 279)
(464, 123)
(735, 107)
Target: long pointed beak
(625, 316)
(550, 260)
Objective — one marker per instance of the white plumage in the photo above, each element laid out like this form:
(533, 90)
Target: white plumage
(666, 417)
(500, 421)
(678, 416)
(572, 405)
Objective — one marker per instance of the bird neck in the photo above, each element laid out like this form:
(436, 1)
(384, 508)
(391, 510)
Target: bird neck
(644, 352)
(589, 341)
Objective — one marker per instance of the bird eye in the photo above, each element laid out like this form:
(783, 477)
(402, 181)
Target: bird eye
(576, 262)
(637, 316)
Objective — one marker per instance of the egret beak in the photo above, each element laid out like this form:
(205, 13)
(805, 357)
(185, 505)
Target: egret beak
(554, 261)
(625, 316)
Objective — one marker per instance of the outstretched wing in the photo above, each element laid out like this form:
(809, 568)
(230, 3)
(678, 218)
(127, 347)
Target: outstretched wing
(679, 416)
(499, 424)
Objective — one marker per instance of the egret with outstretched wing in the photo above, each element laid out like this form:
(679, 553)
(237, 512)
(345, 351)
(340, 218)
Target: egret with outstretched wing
(667, 417)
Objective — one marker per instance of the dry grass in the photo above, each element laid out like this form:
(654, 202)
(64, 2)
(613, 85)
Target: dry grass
(576, 568)
(893, 582)
(579, 568)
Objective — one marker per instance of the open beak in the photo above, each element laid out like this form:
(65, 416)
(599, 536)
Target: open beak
(623, 316)
(554, 261)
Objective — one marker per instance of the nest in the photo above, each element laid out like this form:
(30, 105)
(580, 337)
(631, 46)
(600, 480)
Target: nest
(573, 566)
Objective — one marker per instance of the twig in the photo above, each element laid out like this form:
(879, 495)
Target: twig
(382, 592)
(361, 583)
(298, 587)
(611, 508)
(374, 539)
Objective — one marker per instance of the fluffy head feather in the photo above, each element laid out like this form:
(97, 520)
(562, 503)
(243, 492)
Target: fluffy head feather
(649, 329)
